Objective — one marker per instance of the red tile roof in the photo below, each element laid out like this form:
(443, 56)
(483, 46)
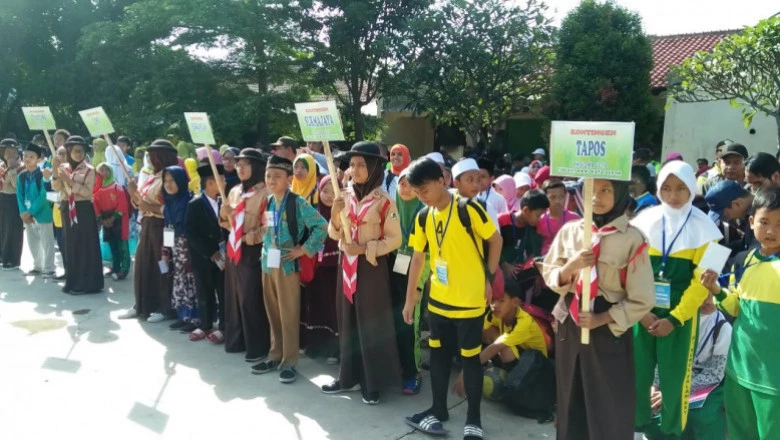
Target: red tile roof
(674, 49)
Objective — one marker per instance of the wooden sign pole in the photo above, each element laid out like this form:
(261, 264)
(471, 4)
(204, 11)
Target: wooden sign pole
(51, 144)
(120, 157)
(587, 240)
(334, 180)
(216, 174)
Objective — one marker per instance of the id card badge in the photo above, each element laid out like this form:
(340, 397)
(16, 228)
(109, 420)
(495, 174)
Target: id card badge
(163, 266)
(274, 258)
(402, 262)
(168, 237)
(269, 219)
(27, 204)
(441, 272)
(663, 294)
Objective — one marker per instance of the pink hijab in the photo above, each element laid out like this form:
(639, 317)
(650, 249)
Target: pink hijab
(507, 185)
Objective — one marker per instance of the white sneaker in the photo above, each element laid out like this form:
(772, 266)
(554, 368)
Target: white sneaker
(156, 317)
(130, 314)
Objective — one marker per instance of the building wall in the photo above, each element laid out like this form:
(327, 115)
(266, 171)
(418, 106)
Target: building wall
(415, 132)
(693, 129)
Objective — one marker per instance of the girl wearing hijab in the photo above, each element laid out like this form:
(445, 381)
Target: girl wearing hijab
(75, 181)
(319, 327)
(399, 161)
(176, 196)
(231, 174)
(505, 185)
(112, 207)
(152, 287)
(305, 178)
(597, 376)
(678, 234)
(246, 321)
(407, 336)
(369, 357)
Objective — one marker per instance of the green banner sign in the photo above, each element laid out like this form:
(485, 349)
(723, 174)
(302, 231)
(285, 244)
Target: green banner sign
(97, 121)
(599, 150)
(200, 128)
(319, 121)
(39, 118)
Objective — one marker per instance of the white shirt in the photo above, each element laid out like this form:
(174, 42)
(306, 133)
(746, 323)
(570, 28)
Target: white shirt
(213, 204)
(391, 186)
(117, 164)
(491, 212)
(492, 198)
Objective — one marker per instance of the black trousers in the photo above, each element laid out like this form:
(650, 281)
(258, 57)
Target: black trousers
(210, 287)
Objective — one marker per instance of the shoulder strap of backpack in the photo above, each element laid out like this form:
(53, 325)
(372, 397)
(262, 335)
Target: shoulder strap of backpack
(388, 180)
(422, 218)
(465, 219)
(292, 215)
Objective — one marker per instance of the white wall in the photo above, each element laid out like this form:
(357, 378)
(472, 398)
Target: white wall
(694, 128)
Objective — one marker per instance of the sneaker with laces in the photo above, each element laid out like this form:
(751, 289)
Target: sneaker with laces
(335, 388)
(288, 375)
(413, 384)
(265, 367)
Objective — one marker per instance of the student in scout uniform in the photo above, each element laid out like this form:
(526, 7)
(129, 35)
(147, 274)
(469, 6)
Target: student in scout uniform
(112, 206)
(75, 180)
(152, 288)
(459, 291)
(304, 181)
(407, 337)
(184, 298)
(599, 376)
(369, 357)
(36, 213)
(206, 242)
(11, 226)
(281, 251)
(753, 370)
(246, 322)
(678, 234)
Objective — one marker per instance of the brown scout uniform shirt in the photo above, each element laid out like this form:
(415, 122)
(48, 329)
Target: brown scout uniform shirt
(253, 212)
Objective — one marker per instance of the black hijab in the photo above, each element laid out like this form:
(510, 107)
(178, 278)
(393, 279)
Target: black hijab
(376, 175)
(258, 175)
(622, 200)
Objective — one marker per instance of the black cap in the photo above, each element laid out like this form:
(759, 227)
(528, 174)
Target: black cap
(365, 149)
(281, 163)
(205, 171)
(285, 141)
(733, 149)
(161, 144)
(77, 140)
(252, 154)
(34, 149)
(9, 143)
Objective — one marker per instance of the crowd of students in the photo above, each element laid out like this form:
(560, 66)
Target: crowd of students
(260, 252)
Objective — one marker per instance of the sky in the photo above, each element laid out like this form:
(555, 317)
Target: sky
(666, 17)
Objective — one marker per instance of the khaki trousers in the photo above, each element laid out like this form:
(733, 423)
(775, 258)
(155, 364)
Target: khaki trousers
(282, 295)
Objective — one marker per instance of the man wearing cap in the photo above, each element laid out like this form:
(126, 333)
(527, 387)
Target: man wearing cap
(206, 242)
(732, 163)
(285, 147)
(11, 227)
(730, 204)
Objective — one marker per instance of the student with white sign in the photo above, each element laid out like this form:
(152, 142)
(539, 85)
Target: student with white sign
(679, 235)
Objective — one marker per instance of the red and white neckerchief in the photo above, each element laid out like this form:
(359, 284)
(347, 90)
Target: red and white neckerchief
(237, 229)
(574, 307)
(72, 214)
(349, 263)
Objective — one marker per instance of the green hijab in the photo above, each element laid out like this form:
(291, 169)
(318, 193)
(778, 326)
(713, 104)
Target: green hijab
(407, 211)
(110, 179)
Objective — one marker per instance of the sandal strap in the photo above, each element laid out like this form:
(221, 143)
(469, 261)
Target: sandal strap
(428, 422)
(473, 430)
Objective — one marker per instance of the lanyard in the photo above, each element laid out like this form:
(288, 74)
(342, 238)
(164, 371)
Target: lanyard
(440, 241)
(278, 216)
(664, 250)
(709, 335)
(741, 271)
(563, 222)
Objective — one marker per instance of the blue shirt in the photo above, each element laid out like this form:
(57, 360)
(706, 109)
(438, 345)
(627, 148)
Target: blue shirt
(307, 218)
(31, 196)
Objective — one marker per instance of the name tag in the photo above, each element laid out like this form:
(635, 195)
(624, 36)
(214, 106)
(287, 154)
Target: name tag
(441, 272)
(163, 267)
(402, 262)
(274, 258)
(168, 237)
(663, 295)
(27, 204)
(269, 219)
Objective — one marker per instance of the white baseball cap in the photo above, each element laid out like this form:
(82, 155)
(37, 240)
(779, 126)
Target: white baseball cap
(464, 165)
(436, 157)
(539, 151)
(522, 179)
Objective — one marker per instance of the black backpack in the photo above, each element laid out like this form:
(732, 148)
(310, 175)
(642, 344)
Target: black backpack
(530, 387)
(465, 220)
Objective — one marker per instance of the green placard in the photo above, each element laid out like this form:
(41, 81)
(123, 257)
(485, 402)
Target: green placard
(200, 128)
(320, 121)
(39, 118)
(600, 150)
(97, 121)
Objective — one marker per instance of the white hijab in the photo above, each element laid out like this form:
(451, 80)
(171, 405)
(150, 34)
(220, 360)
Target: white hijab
(696, 232)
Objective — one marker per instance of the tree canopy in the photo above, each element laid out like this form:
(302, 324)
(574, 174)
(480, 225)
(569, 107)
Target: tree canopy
(742, 68)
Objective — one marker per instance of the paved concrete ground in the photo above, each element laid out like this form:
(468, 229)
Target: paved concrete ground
(70, 370)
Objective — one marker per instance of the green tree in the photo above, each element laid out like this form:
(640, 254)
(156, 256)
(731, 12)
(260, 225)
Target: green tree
(742, 68)
(477, 63)
(602, 69)
(363, 49)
